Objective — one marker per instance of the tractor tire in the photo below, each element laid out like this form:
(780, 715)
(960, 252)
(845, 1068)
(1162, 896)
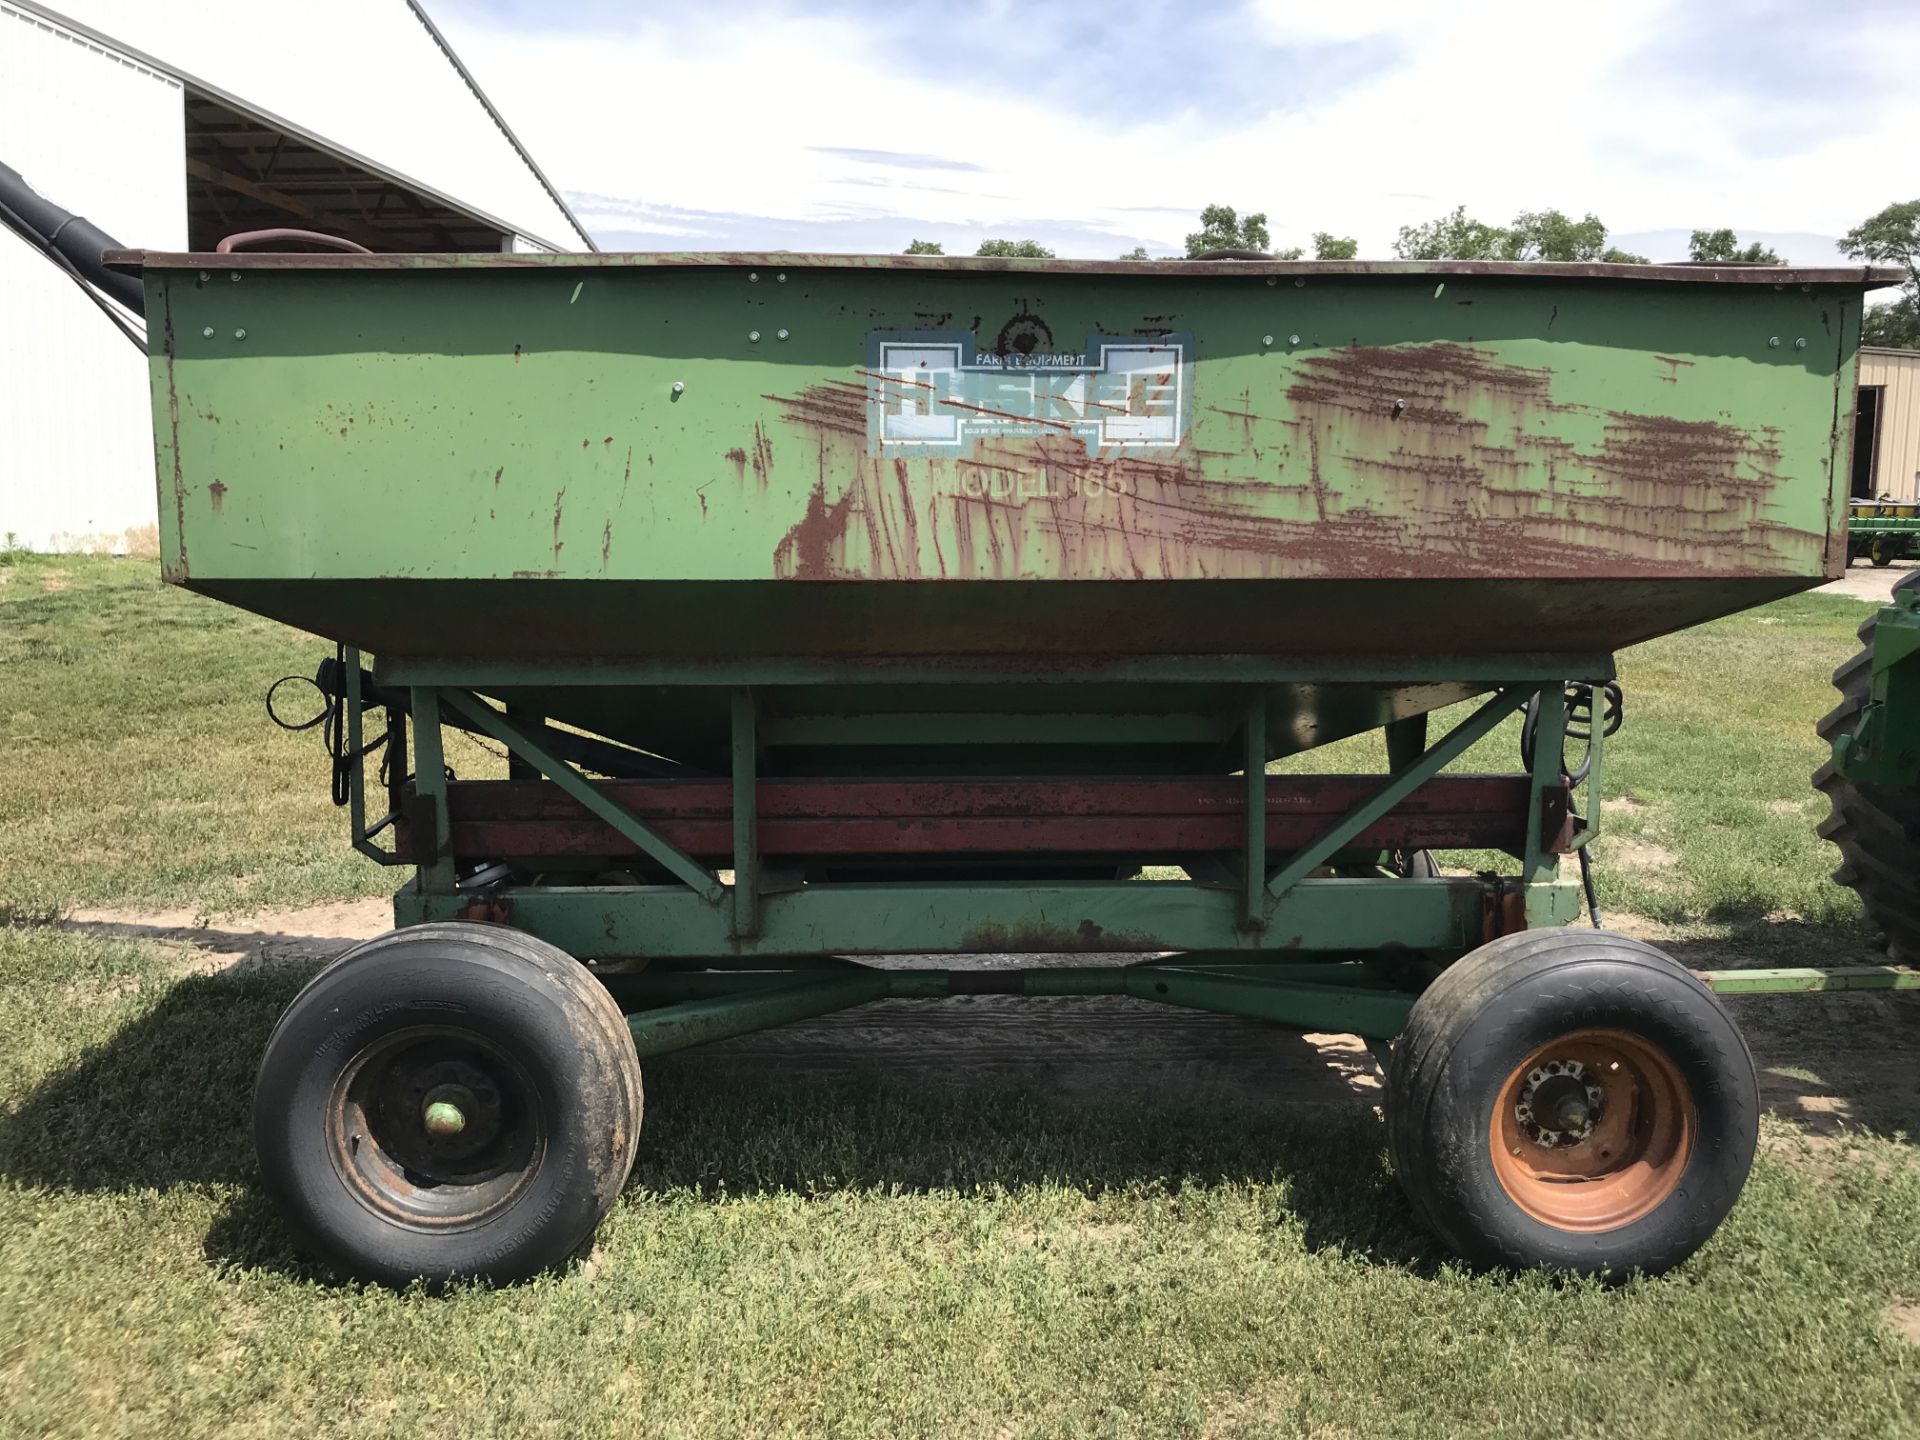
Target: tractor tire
(1571, 1100)
(1876, 830)
(455, 1101)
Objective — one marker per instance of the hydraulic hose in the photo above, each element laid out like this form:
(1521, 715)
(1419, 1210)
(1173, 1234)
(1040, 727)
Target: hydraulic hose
(65, 237)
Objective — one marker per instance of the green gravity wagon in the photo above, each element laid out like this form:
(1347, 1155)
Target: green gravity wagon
(837, 608)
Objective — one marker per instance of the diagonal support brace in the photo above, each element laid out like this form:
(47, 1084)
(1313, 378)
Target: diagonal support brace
(1402, 783)
(690, 871)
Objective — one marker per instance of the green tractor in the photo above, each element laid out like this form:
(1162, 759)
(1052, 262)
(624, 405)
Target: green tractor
(1873, 779)
(1883, 530)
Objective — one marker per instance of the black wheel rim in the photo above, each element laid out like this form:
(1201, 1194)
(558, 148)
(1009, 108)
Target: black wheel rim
(435, 1128)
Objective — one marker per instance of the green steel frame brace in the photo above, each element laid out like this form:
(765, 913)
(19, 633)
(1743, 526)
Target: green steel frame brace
(746, 806)
(1809, 980)
(689, 871)
(1290, 912)
(1270, 947)
(762, 1000)
(724, 987)
(1403, 782)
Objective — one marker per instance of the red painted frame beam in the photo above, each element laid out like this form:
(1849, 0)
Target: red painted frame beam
(534, 819)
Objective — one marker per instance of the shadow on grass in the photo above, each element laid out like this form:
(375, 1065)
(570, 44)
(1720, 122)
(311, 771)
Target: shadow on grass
(1829, 1063)
(165, 1102)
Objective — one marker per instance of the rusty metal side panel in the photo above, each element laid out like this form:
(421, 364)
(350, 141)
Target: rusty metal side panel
(730, 425)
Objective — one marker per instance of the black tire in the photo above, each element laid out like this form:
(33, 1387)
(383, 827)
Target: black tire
(524, 1044)
(1469, 1039)
(1881, 552)
(1877, 830)
(1418, 865)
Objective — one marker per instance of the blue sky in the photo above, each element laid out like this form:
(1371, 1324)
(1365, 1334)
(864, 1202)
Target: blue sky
(1094, 127)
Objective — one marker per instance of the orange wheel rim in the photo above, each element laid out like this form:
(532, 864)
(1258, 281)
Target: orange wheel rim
(1592, 1131)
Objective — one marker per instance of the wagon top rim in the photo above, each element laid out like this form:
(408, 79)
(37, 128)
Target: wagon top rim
(1861, 277)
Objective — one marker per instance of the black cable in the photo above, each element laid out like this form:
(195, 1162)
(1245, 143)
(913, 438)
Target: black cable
(19, 227)
(326, 705)
(1579, 726)
(333, 722)
(1586, 884)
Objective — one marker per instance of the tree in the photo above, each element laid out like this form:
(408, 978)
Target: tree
(1451, 237)
(1015, 249)
(925, 247)
(1720, 247)
(1221, 228)
(1896, 326)
(1334, 247)
(1891, 237)
(1551, 235)
(1533, 235)
(1138, 252)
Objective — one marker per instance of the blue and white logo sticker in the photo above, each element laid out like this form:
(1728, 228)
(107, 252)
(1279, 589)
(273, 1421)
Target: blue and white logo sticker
(935, 394)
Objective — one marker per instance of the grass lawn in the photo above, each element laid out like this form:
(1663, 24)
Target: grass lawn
(847, 1254)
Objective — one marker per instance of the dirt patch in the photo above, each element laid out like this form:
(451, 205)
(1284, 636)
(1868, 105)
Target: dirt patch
(52, 582)
(1637, 854)
(1256, 1411)
(1622, 805)
(1086, 1049)
(1788, 809)
(1904, 1316)
(293, 935)
(1637, 927)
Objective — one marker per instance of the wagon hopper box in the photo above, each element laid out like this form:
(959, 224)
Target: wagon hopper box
(835, 607)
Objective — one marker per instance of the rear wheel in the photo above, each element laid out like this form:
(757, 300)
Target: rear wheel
(1571, 1100)
(449, 1101)
(1877, 830)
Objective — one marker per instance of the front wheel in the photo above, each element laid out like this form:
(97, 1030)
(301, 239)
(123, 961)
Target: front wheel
(449, 1101)
(1572, 1100)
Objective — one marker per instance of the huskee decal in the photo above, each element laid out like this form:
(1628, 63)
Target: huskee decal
(936, 394)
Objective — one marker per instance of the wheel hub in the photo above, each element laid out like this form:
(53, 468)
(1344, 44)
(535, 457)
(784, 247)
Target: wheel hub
(439, 1113)
(445, 1113)
(1592, 1130)
(435, 1127)
(1559, 1104)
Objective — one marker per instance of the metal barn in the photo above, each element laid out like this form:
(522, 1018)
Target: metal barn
(1886, 436)
(172, 126)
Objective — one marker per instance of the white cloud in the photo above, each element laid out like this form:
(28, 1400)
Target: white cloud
(1503, 105)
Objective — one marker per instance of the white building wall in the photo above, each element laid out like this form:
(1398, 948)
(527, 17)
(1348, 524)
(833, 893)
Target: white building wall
(104, 137)
(98, 131)
(363, 74)
(1897, 463)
